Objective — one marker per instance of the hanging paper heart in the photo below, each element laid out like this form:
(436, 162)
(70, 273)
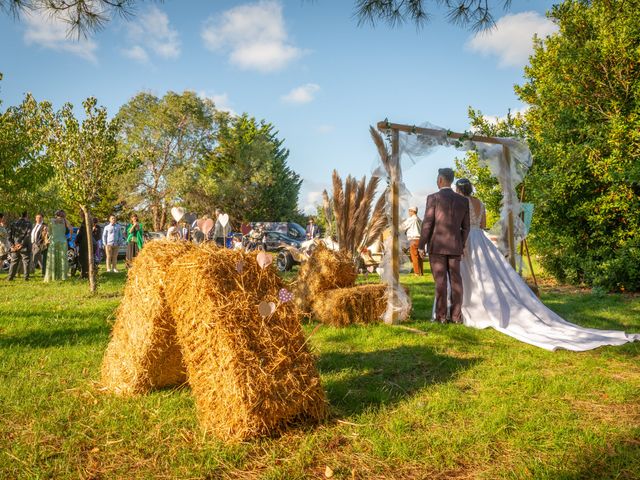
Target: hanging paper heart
(240, 266)
(264, 259)
(285, 295)
(223, 219)
(177, 213)
(371, 269)
(266, 308)
(207, 226)
(200, 223)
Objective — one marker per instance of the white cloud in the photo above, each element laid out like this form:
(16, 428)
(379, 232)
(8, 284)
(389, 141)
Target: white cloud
(494, 119)
(311, 196)
(325, 128)
(152, 32)
(137, 53)
(253, 35)
(511, 40)
(221, 101)
(53, 33)
(302, 94)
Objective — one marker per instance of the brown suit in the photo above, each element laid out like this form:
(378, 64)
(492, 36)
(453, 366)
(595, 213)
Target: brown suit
(445, 229)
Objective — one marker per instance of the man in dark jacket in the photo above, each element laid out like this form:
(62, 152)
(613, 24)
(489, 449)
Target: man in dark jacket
(20, 245)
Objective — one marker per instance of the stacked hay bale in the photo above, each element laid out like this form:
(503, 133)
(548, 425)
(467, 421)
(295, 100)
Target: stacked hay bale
(250, 375)
(143, 352)
(362, 305)
(326, 289)
(325, 270)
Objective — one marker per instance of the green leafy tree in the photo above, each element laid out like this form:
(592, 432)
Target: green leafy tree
(486, 186)
(583, 85)
(247, 174)
(170, 135)
(85, 159)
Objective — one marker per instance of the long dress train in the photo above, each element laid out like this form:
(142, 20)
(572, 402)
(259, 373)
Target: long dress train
(57, 263)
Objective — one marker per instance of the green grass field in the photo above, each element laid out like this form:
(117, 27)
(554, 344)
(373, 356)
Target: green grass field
(454, 403)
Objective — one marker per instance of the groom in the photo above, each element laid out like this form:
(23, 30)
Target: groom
(444, 231)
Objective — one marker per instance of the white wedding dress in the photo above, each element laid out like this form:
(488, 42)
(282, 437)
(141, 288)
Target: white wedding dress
(495, 296)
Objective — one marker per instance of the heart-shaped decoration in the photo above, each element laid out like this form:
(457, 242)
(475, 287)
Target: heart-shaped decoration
(264, 259)
(371, 269)
(266, 308)
(177, 213)
(200, 223)
(223, 219)
(207, 226)
(285, 295)
(240, 266)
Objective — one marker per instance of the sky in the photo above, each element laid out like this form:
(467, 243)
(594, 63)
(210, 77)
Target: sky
(303, 65)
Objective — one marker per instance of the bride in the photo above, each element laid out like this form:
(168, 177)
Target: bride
(495, 296)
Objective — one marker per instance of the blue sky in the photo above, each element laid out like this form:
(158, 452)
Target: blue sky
(306, 66)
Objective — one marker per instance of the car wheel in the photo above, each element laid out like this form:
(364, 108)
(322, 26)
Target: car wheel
(284, 261)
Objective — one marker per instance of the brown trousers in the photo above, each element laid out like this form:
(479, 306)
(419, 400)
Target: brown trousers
(443, 266)
(112, 256)
(416, 259)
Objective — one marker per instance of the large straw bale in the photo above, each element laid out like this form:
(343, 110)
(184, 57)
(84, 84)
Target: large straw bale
(250, 375)
(363, 304)
(325, 270)
(143, 352)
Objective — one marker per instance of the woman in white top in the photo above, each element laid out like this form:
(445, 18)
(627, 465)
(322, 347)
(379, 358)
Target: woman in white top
(495, 295)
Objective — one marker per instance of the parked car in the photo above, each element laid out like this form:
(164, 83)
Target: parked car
(289, 229)
(276, 241)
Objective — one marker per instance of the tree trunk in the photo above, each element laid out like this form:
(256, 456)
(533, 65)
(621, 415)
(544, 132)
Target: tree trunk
(93, 277)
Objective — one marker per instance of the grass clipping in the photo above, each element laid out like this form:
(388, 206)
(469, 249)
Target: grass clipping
(325, 270)
(250, 375)
(363, 304)
(143, 352)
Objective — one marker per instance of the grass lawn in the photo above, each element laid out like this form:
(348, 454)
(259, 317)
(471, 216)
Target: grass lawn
(454, 403)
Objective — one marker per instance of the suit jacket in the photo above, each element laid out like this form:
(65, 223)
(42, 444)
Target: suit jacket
(40, 238)
(445, 227)
(20, 232)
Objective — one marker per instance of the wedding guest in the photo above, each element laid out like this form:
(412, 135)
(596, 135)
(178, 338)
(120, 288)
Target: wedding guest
(82, 244)
(134, 240)
(185, 233)
(20, 246)
(96, 236)
(38, 244)
(111, 239)
(220, 231)
(57, 264)
(412, 227)
(172, 232)
(313, 230)
(236, 243)
(4, 240)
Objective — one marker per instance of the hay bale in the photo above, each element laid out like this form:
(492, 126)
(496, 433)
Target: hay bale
(363, 304)
(325, 270)
(250, 376)
(143, 352)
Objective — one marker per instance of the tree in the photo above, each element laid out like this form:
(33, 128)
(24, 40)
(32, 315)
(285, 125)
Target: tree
(583, 85)
(24, 175)
(85, 160)
(486, 186)
(247, 174)
(169, 135)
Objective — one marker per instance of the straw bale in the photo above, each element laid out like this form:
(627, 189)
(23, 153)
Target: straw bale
(363, 304)
(325, 270)
(143, 352)
(251, 376)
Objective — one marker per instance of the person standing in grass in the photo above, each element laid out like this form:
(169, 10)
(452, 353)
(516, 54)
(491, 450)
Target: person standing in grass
(111, 239)
(20, 242)
(4, 240)
(412, 227)
(135, 239)
(57, 264)
(38, 244)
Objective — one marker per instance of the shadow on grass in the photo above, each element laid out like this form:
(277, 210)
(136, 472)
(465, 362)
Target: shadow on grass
(46, 338)
(357, 381)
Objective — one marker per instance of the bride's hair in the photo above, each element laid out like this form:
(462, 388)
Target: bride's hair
(464, 186)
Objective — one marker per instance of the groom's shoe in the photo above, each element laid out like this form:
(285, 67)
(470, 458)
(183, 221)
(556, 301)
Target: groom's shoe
(443, 321)
(458, 321)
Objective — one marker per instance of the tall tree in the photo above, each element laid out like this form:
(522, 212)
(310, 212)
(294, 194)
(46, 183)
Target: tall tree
(583, 85)
(247, 174)
(168, 135)
(85, 160)
(486, 186)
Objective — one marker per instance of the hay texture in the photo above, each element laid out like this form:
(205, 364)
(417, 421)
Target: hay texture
(250, 375)
(325, 270)
(143, 352)
(363, 305)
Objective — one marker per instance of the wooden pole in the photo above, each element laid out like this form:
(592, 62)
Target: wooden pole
(508, 192)
(396, 175)
(384, 126)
